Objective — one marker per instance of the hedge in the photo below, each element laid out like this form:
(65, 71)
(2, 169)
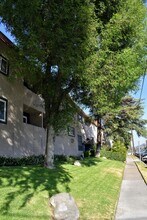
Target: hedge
(30, 160)
(120, 156)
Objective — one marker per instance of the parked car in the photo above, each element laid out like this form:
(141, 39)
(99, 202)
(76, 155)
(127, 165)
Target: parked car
(136, 154)
(141, 153)
(144, 156)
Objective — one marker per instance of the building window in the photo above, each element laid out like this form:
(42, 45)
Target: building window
(3, 110)
(80, 145)
(71, 131)
(80, 118)
(4, 67)
(26, 118)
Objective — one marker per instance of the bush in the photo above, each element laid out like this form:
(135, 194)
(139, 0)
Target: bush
(118, 146)
(87, 153)
(117, 152)
(30, 160)
(93, 151)
(64, 158)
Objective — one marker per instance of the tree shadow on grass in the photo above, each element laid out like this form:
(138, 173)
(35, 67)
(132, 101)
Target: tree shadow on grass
(90, 161)
(27, 181)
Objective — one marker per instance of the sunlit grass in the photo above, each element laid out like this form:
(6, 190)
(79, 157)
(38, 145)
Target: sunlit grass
(25, 191)
(143, 169)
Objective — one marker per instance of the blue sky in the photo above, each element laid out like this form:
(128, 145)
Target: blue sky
(137, 95)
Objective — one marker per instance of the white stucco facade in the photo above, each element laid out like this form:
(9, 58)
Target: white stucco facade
(17, 138)
(66, 144)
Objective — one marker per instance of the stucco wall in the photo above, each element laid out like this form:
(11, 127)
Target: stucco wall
(68, 145)
(16, 138)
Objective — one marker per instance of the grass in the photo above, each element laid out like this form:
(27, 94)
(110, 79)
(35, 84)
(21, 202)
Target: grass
(25, 191)
(143, 169)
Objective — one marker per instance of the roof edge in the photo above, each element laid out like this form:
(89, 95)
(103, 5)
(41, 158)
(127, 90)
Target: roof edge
(6, 40)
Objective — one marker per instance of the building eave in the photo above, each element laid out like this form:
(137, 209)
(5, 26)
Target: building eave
(6, 40)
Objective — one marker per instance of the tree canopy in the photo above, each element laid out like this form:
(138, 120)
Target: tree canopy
(57, 42)
(128, 117)
(121, 53)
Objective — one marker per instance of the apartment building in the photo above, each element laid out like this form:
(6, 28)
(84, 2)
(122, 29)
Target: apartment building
(21, 117)
(21, 111)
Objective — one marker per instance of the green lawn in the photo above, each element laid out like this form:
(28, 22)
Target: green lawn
(143, 170)
(25, 191)
(142, 167)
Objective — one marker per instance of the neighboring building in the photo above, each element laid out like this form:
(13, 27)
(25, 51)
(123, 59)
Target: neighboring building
(21, 118)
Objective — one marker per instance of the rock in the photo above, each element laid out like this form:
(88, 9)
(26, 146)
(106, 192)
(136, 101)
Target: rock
(104, 158)
(65, 207)
(77, 163)
(97, 154)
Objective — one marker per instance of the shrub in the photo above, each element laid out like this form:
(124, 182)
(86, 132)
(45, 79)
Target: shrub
(117, 152)
(30, 160)
(87, 153)
(64, 158)
(118, 146)
(93, 151)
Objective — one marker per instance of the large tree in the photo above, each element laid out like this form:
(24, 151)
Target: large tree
(122, 37)
(57, 43)
(126, 118)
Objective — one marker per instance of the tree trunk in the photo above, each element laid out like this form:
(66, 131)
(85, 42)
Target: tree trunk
(99, 138)
(49, 156)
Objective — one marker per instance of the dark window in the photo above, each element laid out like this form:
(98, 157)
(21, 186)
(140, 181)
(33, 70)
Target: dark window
(4, 65)
(71, 131)
(3, 110)
(80, 145)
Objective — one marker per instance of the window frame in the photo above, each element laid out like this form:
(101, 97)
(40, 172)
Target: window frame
(80, 145)
(71, 131)
(7, 65)
(80, 118)
(26, 118)
(5, 101)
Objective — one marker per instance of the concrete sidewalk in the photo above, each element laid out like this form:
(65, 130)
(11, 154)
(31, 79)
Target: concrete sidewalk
(132, 204)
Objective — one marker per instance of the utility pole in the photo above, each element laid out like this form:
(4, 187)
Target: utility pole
(133, 145)
(139, 150)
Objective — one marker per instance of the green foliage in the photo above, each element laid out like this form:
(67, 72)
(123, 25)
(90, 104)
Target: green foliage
(65, 159)
(117, 152)
(93, 150)
(127, 117)
(48, 34)
(119, 146)
(113, 155)
(30, 160)
(121, 55)
(57, 43)
(87, 153)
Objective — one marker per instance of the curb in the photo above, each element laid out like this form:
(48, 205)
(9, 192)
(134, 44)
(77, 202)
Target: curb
(140, 171)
